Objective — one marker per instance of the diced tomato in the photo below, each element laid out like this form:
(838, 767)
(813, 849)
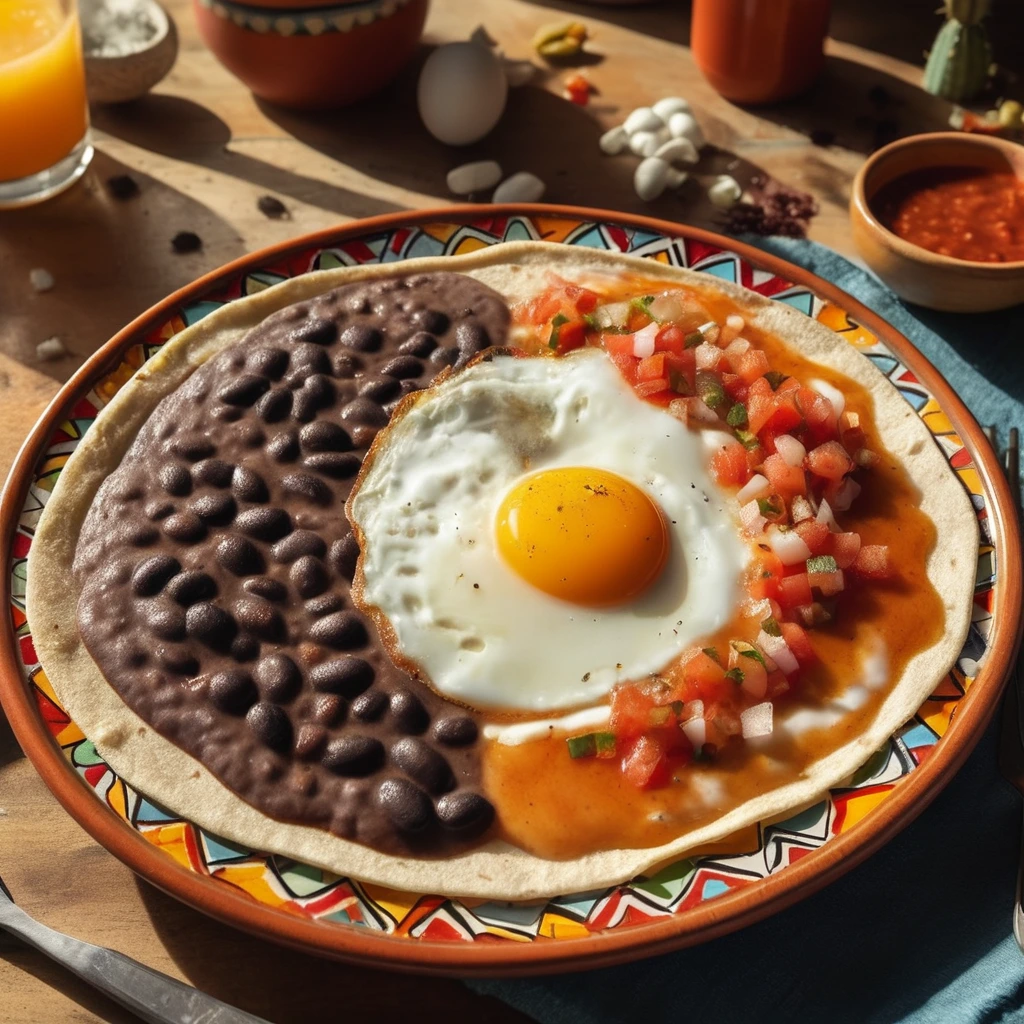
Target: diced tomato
(651, 368)
(650, 388)
(627, 365)
(820, 415)
(778, 684)
(873, 562)
(764, 576)
(734, 386)
(817, 536)
(845, 548)
(785, 479)
(729, 465)
(829, 461)
(785, 415)
(753, 364)
(681, 370)
(829, 583)
(670, 339)
(798, 642)
(571, 335)
(795, 590)
(644, 763)
(706, 676)
(618, 344)
(582, 300)
(630, 710)
(544, 307)
(755, 456)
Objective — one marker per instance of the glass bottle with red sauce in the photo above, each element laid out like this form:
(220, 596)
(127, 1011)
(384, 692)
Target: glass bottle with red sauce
(759, 51)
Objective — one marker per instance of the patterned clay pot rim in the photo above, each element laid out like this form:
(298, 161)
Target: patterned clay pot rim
(309, 20)
(698, 898)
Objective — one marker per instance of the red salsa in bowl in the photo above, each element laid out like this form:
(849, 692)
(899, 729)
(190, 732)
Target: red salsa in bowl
(967, 213)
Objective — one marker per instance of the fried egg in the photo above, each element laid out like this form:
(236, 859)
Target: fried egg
(533, 533)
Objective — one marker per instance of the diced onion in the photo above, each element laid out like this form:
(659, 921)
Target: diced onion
(615, 314)
(847, 494)
(680, 408)
(825, 516)
(778, 650)
(789, 546)
(833, 394)
(732, 328)
(753, 488)
(702, 412)
(643, 341)
(667, 307)
(800, 509)
(696, 732)
(736, 348)
(710, 331)
(707, 356)
(791, 450)
(757, 721)
(751, 518)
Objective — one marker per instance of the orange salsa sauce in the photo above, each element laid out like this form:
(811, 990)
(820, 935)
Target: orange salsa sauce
(968, 213)
(559, 808)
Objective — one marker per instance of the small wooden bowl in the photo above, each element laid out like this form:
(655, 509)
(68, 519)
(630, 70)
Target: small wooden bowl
(120, 79)
(916, 274)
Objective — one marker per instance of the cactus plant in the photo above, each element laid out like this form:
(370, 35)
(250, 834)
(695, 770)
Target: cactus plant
(958, 65)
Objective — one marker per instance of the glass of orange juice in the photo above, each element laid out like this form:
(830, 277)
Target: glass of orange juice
(44, 115)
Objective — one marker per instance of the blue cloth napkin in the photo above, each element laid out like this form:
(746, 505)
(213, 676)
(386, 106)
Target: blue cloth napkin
(921, 932)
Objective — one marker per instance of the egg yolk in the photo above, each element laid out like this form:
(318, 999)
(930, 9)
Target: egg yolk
(583, 535)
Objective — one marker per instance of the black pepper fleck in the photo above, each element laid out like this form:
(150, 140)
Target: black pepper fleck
(122, 186)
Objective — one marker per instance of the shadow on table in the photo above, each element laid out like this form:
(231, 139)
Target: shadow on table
(184, 130)
(117, 261)
(289, 987)
(56, 977)
(9, 748)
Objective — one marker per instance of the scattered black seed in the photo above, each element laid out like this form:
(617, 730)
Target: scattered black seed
(186, 241)
(123, 186)
(271, 207)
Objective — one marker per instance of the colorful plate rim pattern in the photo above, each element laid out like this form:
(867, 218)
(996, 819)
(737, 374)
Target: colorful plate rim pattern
(747, 876)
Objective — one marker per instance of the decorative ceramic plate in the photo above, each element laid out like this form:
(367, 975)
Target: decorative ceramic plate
(753, 873)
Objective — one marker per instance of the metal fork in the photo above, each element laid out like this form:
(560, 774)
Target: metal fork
(1011, 724)
(150, 995)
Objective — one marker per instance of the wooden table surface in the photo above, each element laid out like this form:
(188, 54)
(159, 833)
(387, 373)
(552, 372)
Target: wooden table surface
(203, 150)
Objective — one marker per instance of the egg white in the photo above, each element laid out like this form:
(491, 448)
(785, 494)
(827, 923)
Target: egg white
(427, 507)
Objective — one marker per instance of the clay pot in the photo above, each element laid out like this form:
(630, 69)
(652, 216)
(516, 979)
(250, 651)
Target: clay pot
(312, 57)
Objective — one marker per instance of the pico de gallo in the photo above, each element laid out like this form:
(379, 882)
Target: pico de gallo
(795, 464)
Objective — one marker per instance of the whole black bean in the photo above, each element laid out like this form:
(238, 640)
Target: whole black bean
(248, 485)
(185, 527)
(310, 740)
(308, 575)
(176, 479)
(347, 675)
(328, 708)
(431, 320)
(369, 706)
(379, 389)
(260, 617)
(192, 447)
(266, 586)
(239, 556)
(353, 755)
(214, 509)
(403, 366)
(470, 338)
(342, 630)
(363, 412)
(141, 535)
(215, 472)
(464, 812)
(166, 621)
(455, 730)
(210, 625)
(317, 331)
(361, 338)
(279, 678)
(344, 554)
(274, 405)
(311, 358)
(407, 806)
(188, 587)
(311, 488)
(232, 691)
(346, 365)
(422, 763)
(325, 604)
(319, 387)
(271, 726)
(243, 390)
(338, 465)
(271, 362)
(420, 345)
(151, 575)
(264, 523)
(244, 647)
(297, 544)
(284, 447)
(324, 436)
(408, 712)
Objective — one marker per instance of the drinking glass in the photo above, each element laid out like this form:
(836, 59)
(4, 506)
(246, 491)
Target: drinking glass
(44, 115)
